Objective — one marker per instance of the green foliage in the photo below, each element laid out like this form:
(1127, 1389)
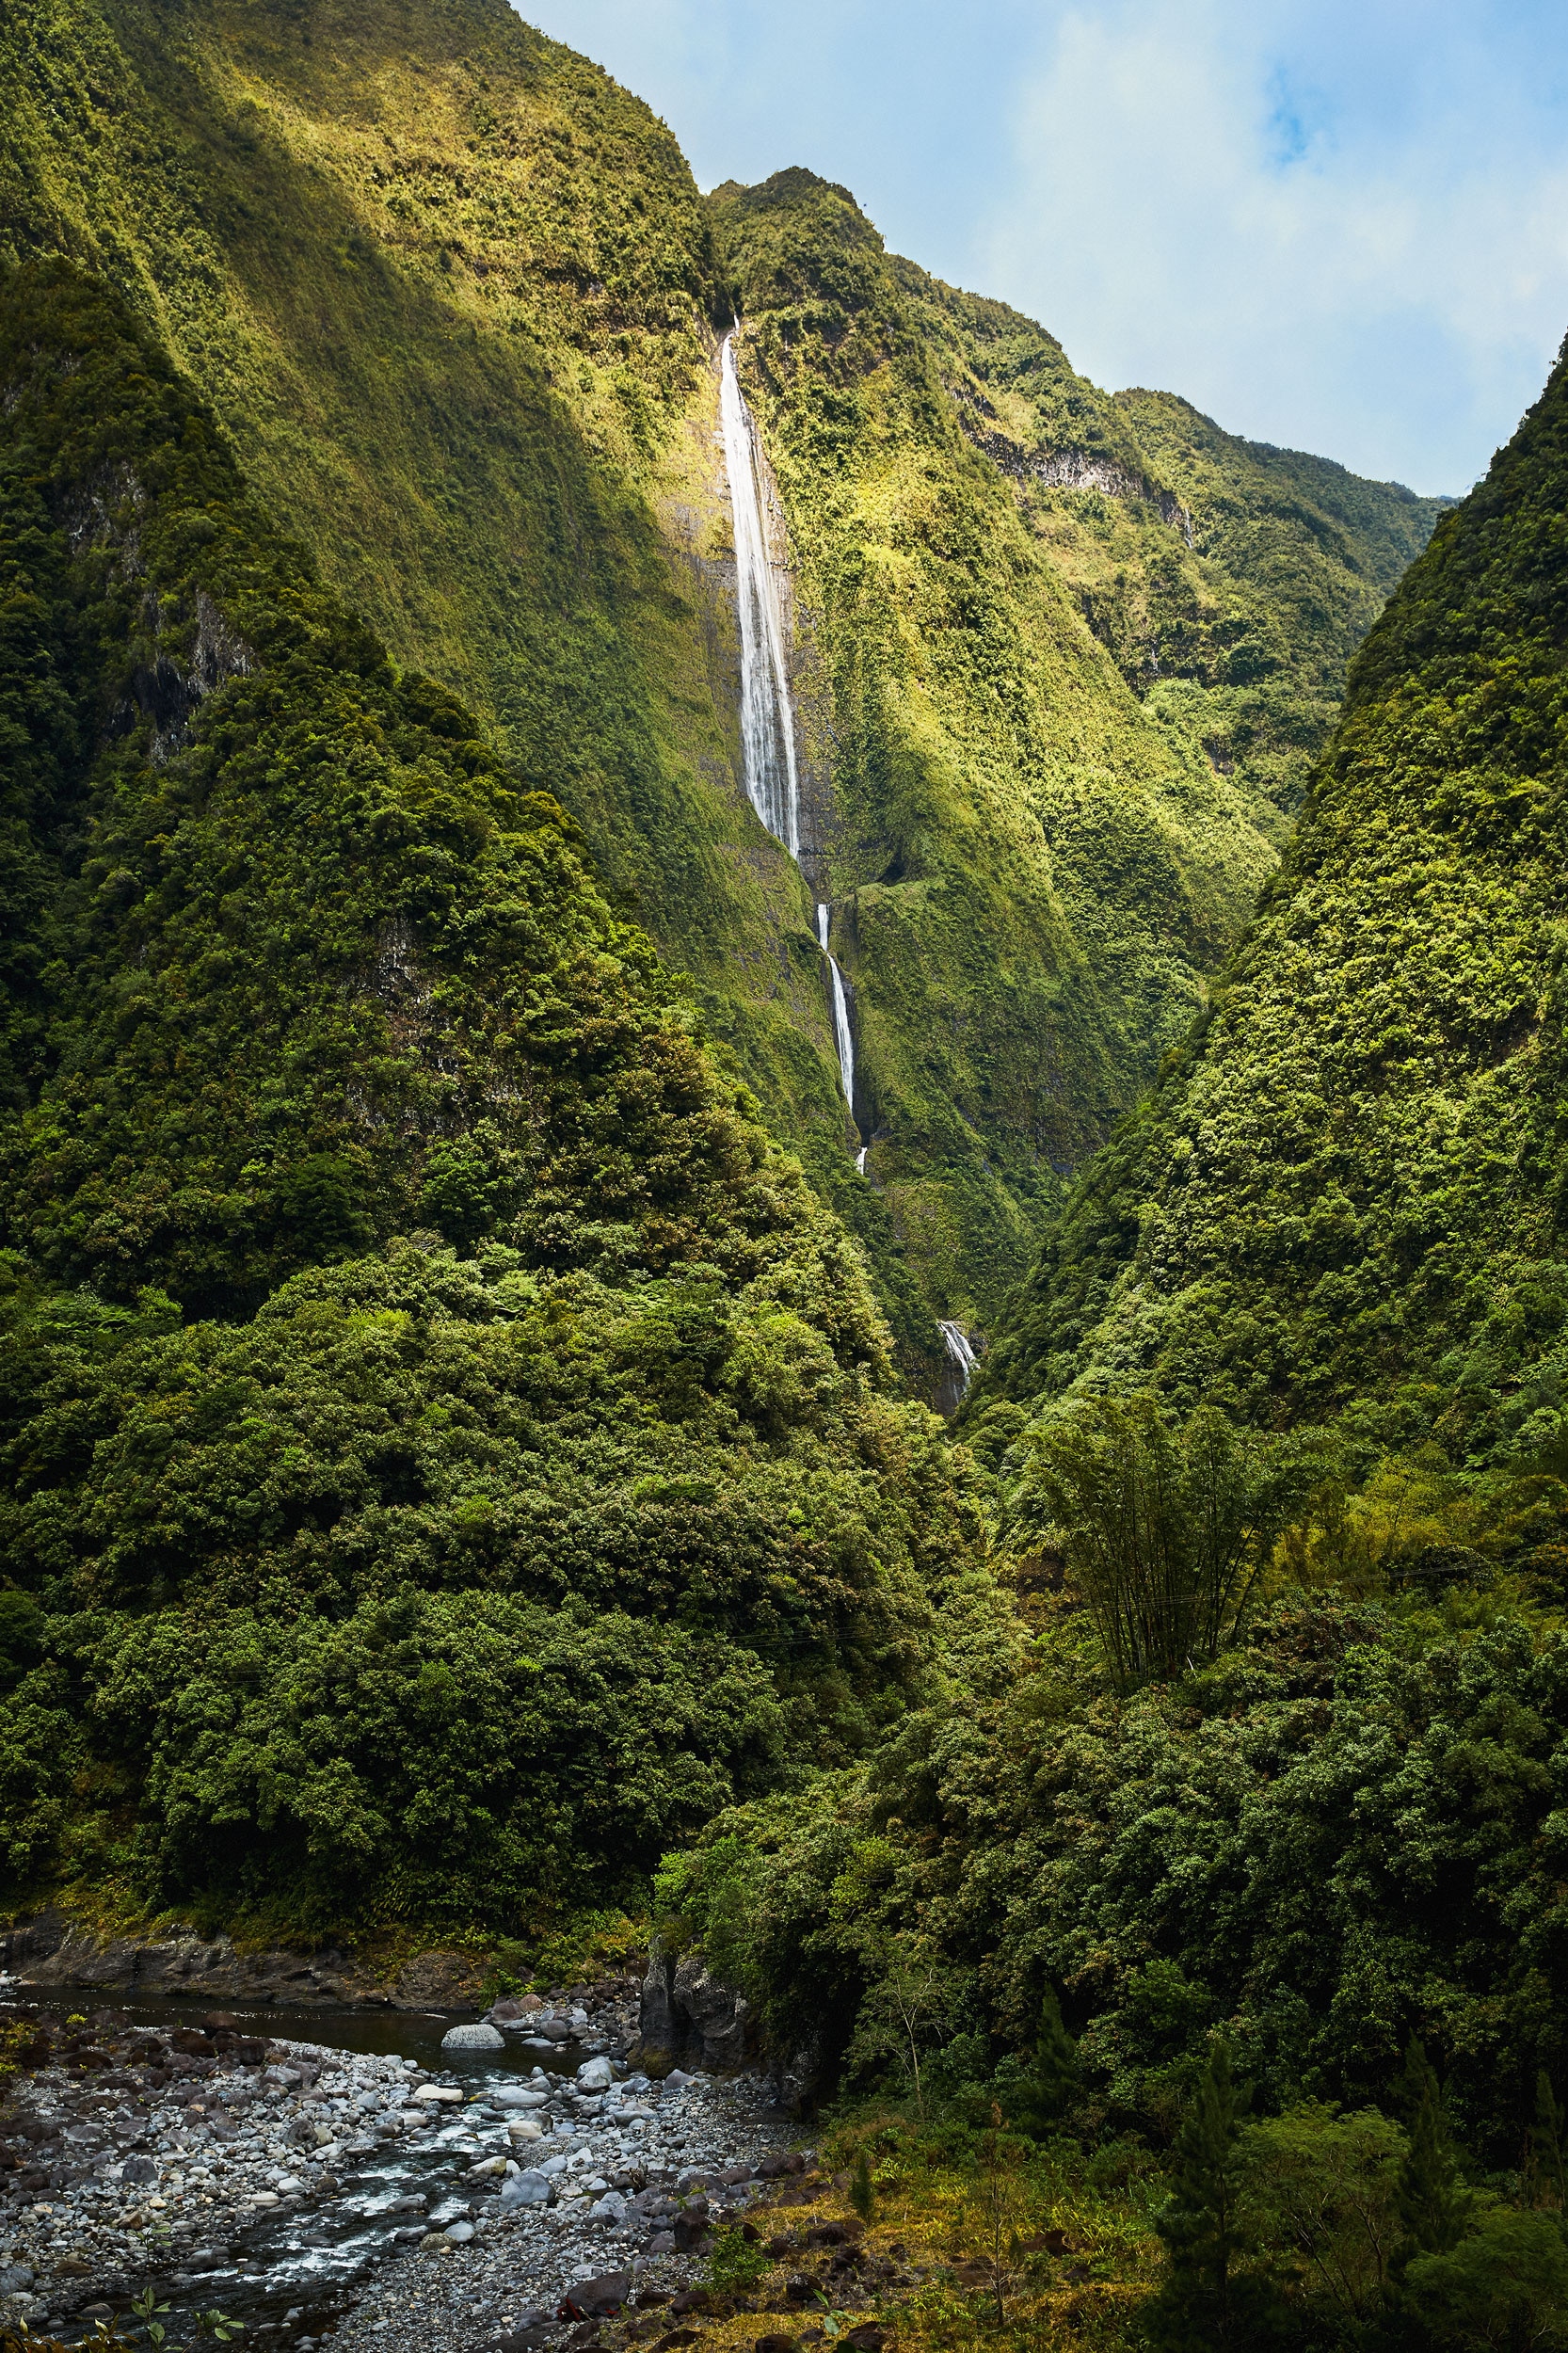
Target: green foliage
(1321, 2204)
(449, 1449)
(1204, 2300)
(1039, 2092)
(1352, 1178)
(736, 2263)
(1432, 2201)
(1504, 2284)
(1342, 1832)
(1166, 1533)
(862, 2195)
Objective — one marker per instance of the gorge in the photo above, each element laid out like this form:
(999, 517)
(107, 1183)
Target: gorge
(782, 1162)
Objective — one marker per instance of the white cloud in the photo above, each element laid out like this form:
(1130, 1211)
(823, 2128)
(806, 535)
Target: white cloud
(1341, 224)
(1385, 283)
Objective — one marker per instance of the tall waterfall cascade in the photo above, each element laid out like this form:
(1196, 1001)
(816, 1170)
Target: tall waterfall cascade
(957, 1341)
(767, 709)
(844, 1039)
(767, 712)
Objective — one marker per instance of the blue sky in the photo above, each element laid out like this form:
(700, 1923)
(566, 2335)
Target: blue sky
(1339, 227)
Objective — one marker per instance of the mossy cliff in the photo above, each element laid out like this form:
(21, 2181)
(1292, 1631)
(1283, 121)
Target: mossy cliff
(1037, 862)
(446, 1443)
(454, 297)
(1350, 1181)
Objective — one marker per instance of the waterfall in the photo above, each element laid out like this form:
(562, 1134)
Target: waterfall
(843, 1038)
(957, 1343)
(860, 1159)
(767, 715)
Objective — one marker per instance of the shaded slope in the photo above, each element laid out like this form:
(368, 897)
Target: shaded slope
(445, 285)
(446, 1445)
(1354, 1175)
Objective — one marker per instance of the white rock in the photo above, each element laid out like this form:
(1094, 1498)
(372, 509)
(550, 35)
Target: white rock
(595, 2075)
(481, 2035)
(459, 2234)
(429, 2095)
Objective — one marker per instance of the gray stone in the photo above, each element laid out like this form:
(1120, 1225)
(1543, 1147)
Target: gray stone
(689, 2013)
(596, 2074)
(526, 2189)
(138, 2169)
(609, 2208)
(514, 2096)
(481, 2035)
(458, 2234)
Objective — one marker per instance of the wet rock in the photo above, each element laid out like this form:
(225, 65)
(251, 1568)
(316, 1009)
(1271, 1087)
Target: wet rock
(436, 1980)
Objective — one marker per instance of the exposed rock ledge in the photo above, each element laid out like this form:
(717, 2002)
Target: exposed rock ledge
(52, 1951)
(688, 2018)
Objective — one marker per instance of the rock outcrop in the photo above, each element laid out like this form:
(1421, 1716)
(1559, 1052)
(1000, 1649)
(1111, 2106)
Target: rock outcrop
(689, 2017)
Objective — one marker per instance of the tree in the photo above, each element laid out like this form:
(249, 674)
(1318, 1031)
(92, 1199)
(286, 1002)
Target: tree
(1205, 2305)
(1044, 2090)
(1166, 1532)
(1433, 2202)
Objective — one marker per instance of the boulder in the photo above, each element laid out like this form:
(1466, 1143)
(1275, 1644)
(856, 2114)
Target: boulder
(595, 2075)
(481, 2035)
(596, 2299)
(437, 2095)
(526, 2189)
(458, 2234)
(138, 2169)
(610, 2207)
(688, 2017)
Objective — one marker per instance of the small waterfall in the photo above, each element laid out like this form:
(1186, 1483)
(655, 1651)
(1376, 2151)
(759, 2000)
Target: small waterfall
(767, 714)
(957, 1344)
(843, 1038)
(860, 1159)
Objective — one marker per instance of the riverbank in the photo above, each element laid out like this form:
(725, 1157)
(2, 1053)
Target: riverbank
(274, 2175)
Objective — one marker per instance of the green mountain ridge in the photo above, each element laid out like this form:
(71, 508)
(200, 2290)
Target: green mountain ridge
(447, 1443)
(1350, 1181)
(454, 297)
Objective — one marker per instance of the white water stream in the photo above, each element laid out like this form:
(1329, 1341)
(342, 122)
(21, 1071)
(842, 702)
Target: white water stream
(957, 1341)
(843, 1038)
(767, 714)
(767, 711)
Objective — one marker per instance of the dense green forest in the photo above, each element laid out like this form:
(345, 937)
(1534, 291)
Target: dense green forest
(447, 1445)
(1228, 1865)
(454, 298)
(467, 1463)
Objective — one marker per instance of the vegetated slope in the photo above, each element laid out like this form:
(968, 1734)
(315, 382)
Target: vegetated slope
(446, 284)
(450, 291)
(1036, 867)
(550, 1489)
(1352, 1177)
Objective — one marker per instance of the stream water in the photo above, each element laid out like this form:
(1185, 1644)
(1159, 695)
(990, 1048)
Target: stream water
(292, 2270)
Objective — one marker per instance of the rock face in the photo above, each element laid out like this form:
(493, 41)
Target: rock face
(687, 2015)
(50, 1951)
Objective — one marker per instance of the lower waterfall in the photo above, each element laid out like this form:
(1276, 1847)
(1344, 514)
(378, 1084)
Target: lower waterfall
(957, 1341)
(844, 1039)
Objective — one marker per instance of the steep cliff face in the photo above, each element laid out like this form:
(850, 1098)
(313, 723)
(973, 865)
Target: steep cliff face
(1070, 706)
(1352, 1181)
(454, 298)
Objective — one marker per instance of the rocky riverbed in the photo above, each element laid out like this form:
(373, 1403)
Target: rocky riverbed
(309, 2186)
